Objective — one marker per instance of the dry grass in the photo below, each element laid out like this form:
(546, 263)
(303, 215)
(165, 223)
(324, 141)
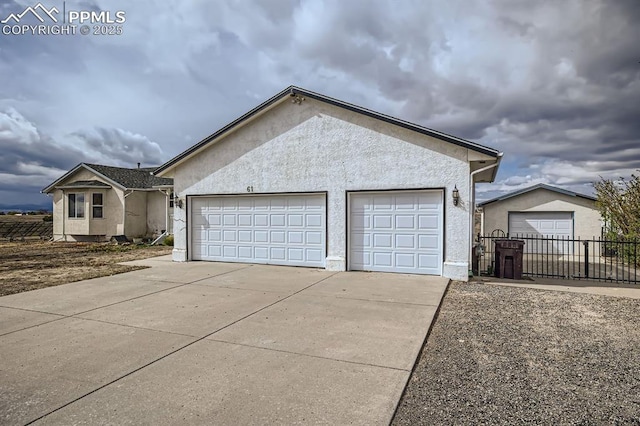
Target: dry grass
(23, 218)
(32, 265)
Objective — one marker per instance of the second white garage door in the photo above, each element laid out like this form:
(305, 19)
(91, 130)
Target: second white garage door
(396, 231)
(548, 225)
(271, 229)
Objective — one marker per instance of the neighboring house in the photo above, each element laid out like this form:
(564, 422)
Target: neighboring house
(94, 202)
(307, 180)
(542, 210)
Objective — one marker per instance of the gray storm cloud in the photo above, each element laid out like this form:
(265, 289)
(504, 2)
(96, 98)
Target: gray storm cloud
(555, 85)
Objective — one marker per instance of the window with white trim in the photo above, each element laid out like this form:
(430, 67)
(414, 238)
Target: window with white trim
(96, 205)
(76, 205)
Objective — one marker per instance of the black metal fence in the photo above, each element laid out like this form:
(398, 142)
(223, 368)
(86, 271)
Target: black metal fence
(559, 257)
(20, 230)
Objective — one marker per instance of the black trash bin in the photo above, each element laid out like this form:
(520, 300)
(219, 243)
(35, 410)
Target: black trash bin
(508, 258)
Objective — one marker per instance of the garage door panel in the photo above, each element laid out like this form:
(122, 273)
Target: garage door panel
(396, 232)
(428, 241)
(245, 220)
(245, 252)
(314, 255)
(296, 220)
(406, 241)
(382, 221)
(552, 225)
(428, 261)
(382, 241)
(314, 237)
(426, 222)
(286, 229)
(405, 260)
(315, 220)
(261, 220)
(405, 222)
(277, 220)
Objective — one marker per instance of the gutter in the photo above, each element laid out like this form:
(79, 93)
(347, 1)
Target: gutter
(472, 201)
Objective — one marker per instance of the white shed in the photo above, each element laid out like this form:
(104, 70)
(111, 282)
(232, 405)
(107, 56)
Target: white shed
(543, 211)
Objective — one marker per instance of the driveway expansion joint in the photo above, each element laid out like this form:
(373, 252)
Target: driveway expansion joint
(311, 356)
(135, 327)
(375, 300)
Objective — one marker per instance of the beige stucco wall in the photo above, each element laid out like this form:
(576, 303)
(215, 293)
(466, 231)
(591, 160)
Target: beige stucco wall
(135, 224)
(157, 220)
(317, 147)
(87, 228)
(587, 222)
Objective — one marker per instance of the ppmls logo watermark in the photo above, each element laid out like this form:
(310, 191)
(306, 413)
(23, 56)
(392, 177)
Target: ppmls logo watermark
(41, 20)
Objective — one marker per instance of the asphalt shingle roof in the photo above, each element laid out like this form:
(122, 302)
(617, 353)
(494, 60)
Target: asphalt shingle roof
(131, 178)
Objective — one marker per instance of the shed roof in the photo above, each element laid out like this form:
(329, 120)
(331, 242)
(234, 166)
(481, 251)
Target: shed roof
(535, 187)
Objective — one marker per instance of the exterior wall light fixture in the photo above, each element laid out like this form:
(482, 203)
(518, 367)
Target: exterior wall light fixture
(456, 195)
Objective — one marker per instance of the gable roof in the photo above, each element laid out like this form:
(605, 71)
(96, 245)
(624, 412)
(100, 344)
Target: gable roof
(121, 177)
(533, 188)
(293, 91)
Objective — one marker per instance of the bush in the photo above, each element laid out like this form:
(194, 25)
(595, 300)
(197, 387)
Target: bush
(169, 241)
(48, 218)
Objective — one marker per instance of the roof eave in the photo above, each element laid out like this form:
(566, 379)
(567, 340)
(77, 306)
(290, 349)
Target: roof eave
(535, 187)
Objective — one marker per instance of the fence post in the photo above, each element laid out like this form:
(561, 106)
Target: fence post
(586, 258)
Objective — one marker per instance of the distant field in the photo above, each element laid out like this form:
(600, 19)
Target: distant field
(23, 218)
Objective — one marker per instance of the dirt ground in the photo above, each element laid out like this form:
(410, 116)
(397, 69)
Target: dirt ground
(505, 355)
(32, 265)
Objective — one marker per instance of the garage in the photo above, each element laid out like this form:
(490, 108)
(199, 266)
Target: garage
(396, 231)
(337, 186)
(282, 229)
(558, 225)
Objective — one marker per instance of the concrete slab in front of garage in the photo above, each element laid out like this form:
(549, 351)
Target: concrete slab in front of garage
(238, 344)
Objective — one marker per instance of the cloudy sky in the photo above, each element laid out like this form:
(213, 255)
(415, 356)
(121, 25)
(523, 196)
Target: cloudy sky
(553, 84)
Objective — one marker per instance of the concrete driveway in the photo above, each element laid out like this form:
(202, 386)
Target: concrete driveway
(214, 343)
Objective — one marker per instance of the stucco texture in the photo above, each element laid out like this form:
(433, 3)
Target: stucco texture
(586, 218)
(315, 146)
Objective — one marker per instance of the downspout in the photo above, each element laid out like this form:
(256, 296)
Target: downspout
(167, 195)
(472, 202)
(124, 211)
(64, 216)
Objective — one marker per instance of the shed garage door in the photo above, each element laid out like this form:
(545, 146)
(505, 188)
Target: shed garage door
(396, 232)
(270, 229)
(548, 225)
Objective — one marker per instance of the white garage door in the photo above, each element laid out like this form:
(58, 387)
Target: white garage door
(396, 232)
(273, 229)
(548, 225)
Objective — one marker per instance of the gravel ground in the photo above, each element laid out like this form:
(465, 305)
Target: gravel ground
(504, 355)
